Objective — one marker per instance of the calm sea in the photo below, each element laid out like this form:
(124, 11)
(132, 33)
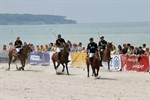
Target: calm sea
(118, 33)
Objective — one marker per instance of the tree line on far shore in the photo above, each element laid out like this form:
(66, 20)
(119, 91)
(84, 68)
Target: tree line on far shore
(30, 19)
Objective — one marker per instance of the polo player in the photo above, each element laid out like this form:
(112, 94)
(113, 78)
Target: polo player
(59, 43)
(102, 45)
(18, 45)
(91, 49)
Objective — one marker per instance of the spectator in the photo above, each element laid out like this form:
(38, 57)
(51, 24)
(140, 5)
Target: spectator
(144, 47)
(147, 53)
(124, 50)
(130, 50)
(11, 46)
(141, 51)
(42, 48)
(136, 51)
(37, 48)
(46, 48)
(119, 51)
(50, 47)
(4, 48)
(70, 45)
(79, 47)
(113, 51)
(74, 48)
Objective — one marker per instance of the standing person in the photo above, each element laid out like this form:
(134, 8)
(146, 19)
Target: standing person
(59, 43)
(79, 48)
(124, 49)
(11, 46)
(4, 48)
(18, 45)
(102, 45)
(144, 46)
(91, 49)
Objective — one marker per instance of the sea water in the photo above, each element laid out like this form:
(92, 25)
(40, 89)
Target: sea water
(119, 33)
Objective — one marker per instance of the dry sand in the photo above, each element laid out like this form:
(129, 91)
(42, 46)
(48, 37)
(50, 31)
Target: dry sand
(42, 83)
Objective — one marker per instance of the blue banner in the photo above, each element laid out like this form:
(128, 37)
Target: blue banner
(39, 58)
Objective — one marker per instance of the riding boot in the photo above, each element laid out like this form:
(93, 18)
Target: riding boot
(59, 56)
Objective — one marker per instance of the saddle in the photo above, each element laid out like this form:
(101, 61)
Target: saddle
(18, 53)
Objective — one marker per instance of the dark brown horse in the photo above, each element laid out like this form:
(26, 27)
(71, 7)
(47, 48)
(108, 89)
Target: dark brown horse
(64, 58)
(106, 56)
(95, 65)
(22, 56)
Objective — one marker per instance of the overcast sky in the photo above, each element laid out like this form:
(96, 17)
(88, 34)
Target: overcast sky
(83, 11)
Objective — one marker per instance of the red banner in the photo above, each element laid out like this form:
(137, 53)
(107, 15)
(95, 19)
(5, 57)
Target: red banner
(134, 63)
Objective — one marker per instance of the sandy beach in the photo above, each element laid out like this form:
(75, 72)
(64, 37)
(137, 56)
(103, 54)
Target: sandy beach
(42, 83)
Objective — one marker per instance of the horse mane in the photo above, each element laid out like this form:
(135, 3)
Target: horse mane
(66, 47)
(109, 46)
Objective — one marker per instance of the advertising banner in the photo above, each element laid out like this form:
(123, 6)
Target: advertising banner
(35, 58)
(45, 58)
(134, 63)
(4, 57)
(78, 59)
(115, 63)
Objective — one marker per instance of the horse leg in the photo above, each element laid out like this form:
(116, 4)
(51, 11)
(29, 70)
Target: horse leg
(67, 68)
(57, 65)
(54, 65)
(93, 69)
(14, 61)
(10, 58)
(24, 62)
(87, 69)
(63, 67)
(88, 65)
(97, 70)
(23, 65)
(108, 66)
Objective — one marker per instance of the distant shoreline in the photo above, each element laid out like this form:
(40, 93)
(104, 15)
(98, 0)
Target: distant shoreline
(30, 19)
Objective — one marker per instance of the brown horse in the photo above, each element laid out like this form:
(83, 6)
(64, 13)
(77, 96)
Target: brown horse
(95, 65)
(64, 58)
(106, 56)
(22, 56)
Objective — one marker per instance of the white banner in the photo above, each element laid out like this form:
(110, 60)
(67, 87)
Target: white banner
(115, 63)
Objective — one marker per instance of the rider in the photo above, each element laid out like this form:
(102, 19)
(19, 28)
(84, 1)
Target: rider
(18, 45)
(59, 43)
(91, 49)
(102, 45)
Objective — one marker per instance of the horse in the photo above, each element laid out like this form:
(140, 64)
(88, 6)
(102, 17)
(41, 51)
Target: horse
(22, 56)
(64, 58)
(106, 55)
(95, 65)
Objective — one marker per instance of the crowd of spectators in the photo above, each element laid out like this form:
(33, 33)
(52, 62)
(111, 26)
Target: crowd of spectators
(48, 47)
(131, 50)
(121, 49)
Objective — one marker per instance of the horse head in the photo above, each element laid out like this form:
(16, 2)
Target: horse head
(109, 45)
(27, 49)
(66, 47)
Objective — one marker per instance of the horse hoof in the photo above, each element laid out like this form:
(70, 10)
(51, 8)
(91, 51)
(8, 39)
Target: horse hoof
(22, 68)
